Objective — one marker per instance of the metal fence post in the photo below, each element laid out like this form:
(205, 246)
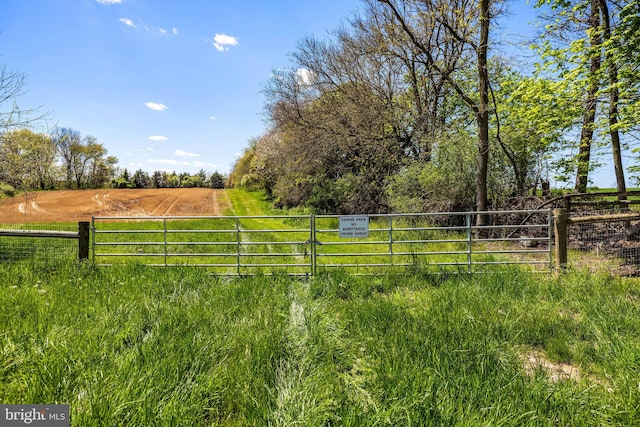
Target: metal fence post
(469, 242)
(238, 245)
(312, 243)
(550, 237)
(391, 240)
(165, 241)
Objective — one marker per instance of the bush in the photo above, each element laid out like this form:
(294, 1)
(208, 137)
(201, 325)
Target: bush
(7, 190)
(445, 184)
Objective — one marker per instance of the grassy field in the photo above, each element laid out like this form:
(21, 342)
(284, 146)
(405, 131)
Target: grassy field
(132, 345)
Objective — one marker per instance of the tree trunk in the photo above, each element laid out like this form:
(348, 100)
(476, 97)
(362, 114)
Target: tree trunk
(588, 122)
(613, 105)
(482, 115)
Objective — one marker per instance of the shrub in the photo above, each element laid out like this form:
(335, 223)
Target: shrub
(7, 190)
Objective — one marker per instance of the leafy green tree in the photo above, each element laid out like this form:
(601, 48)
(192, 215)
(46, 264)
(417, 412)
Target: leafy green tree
(200, 178)
(216, 180)
(185, 180)
(158, 179)
(242, 166)
(464, 27)
(445, 184)
(101, 172)
(585, 46)
(27, 159)
(122, 179)
(141, 179)
(84, 160)
(622, 40)
(67, 142)
(531, 117)
(172, 180)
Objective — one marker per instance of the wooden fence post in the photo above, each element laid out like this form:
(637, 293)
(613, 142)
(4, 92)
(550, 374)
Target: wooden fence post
(560, 228)
(83, 240)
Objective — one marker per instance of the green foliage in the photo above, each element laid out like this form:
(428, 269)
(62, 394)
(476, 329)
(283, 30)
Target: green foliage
(589, 47)
(535, 114)
(141, 179)
(163, 179)
(27, 160)
(446, 184)
(6, 190)
(84, 161)
(241, 168)
(123, 180)
(216, 180)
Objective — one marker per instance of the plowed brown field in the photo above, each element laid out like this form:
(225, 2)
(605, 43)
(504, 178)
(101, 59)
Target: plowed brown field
(80, 205)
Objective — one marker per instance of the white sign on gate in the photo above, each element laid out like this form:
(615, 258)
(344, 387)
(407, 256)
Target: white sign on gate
(354, 226)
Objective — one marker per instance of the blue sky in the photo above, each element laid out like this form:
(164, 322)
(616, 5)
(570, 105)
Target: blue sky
(162, 84)
(166, 84)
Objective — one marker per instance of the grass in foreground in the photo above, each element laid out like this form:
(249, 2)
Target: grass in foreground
(143, 346)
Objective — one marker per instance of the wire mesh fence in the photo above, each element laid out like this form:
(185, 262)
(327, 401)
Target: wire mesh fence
(27, 242)
(606, 238)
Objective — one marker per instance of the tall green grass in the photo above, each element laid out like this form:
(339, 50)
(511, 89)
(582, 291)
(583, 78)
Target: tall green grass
(133, 345)
(137, 346)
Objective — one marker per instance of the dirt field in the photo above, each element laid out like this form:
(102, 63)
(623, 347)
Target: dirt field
(80, 205)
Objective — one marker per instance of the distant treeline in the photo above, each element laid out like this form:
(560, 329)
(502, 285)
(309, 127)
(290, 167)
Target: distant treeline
(63, 159)
(162, 179)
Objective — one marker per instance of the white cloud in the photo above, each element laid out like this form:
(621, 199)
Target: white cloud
(304, 76)
(156, 106)
(109, 1)
(185, 154)
(213, 118)
(207, 165)
(127, 22)
(169, 162)
(158, 138)
(175, 31)
(222, 42)
(162, 31)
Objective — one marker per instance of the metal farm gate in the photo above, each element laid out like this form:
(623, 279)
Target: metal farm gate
(308, 244)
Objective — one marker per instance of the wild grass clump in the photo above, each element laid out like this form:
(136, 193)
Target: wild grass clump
(138, 346)
(134, 345)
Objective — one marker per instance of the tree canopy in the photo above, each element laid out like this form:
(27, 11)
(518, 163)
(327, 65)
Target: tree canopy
(413, 105)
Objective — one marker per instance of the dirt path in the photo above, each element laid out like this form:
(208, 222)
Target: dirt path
(167, 203)
(80, 205)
